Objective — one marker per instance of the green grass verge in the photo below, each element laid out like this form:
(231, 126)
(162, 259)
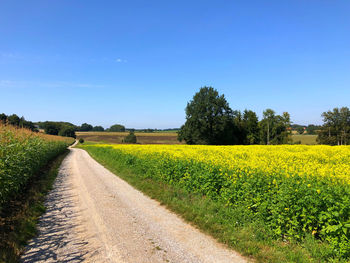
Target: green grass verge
(19, 218)
(233, 227)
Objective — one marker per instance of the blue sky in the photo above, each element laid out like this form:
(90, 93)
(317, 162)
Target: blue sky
(139, 62)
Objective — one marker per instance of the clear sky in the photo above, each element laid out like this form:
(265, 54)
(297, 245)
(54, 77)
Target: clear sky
(139, 62)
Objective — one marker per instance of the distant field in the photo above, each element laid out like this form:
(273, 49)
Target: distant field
(161, 137)
(305, 139)
(142, 137)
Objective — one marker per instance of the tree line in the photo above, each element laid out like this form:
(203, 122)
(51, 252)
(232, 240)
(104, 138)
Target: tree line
(17, 121)
(336, 128)
(211, 121)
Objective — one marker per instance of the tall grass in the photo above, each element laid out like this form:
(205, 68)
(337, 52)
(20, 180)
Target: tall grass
(22, 154)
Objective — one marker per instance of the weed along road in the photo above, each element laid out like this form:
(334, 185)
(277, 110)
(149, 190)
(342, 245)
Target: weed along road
(94, 216)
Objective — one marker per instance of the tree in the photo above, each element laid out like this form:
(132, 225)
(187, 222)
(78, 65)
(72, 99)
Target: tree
(52, 128)
(282, 132)
(209, 119)
(130, 138)
(251, 126)
(67, 131)
(336, 127)
(13, 120)
(3, 118)
(266, 125)
(98, 128)
(86, 127)
(312, 129)
(274, 129)
(117, 128)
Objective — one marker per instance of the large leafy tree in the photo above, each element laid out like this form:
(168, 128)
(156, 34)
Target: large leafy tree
(274, 128)
(67, 131)
(98, 128)
(86, 127)
(251, 127)
(336, 128)
(117, 128)
(209, 119)
(52, 128)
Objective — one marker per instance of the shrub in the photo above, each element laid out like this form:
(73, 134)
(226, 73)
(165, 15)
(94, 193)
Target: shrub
(81, 140)
(130, 138)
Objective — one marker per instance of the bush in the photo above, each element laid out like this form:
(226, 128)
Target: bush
(130, 138)
(81, 140)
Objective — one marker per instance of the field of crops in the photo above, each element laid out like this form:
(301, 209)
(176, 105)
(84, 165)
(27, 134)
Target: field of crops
(22, 154)
(297, 190)
(142, 137)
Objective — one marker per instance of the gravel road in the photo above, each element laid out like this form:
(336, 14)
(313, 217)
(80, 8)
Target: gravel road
(94, 216)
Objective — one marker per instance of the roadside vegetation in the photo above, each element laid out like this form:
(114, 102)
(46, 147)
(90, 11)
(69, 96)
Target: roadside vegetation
(25, 175)
(19, 217)
(22, 154)
(274, 203)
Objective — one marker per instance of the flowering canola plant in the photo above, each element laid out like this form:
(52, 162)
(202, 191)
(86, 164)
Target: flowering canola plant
(295, 189)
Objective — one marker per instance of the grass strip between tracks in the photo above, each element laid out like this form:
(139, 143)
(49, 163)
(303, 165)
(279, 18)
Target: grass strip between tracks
(230, 226)
(19, 218)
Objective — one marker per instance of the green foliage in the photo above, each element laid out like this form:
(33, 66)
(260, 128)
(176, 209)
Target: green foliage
(209, 119)
(85, 127)
(336, 128)
(290, 208)
(52, 128)
(19, 217)
(22, 154)
(3, 118)
(98, 128)
(60, 124)
(274, 128)
(116, 128)
(14, 120)
(312, 129)
(65, 129)
(251, 127)
(130, 138)
(81, 140)
(67, 132)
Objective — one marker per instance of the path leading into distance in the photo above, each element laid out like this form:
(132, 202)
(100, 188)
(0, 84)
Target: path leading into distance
(94, 216)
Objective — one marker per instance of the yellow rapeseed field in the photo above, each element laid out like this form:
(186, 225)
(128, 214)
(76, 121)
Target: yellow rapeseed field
(290, 160)
(296, 189)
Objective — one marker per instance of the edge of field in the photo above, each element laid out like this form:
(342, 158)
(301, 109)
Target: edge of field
(252, 239)
(18, 221)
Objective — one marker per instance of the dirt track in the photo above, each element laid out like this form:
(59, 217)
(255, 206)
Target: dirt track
(94, 216)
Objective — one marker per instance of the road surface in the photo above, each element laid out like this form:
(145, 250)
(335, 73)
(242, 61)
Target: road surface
(94, 216)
